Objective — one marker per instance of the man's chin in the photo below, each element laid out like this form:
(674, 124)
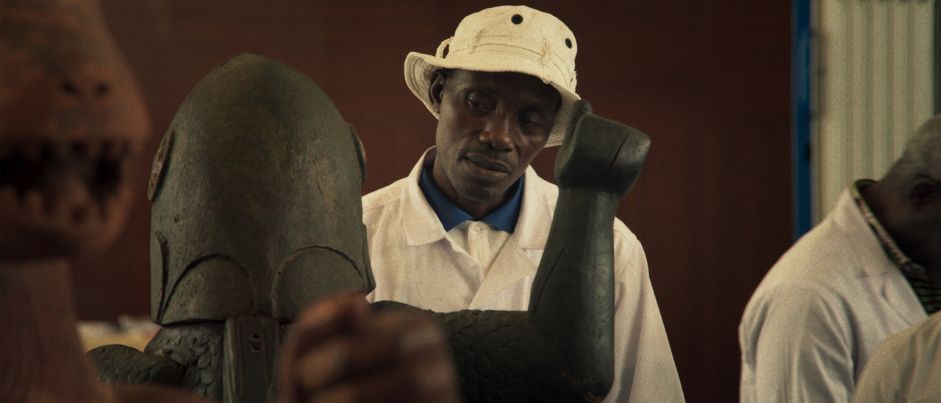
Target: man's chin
(483, 193)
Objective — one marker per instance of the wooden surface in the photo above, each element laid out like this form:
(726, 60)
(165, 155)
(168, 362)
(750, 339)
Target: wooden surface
(708, 80)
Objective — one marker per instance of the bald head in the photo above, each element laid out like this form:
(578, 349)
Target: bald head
(922, 156)
(907, 200)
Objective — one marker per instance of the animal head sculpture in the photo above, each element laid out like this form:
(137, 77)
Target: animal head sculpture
(70, 116)
(256, 199)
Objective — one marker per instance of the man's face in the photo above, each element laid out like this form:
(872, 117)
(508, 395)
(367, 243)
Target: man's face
(922, 223)
(490, 127)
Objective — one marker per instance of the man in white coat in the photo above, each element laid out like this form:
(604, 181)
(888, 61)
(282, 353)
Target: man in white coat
(870, 269)
(467, 227)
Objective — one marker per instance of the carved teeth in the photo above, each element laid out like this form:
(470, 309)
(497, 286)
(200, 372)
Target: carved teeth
(108, 150)
(103, 209)
(79, 213)
(79, 149)
(64, 182)
(59, 150)
(46, 151)
(116, 150)
(30, 150)
(93, 149)
(49, 205)
(8, 196)
(113, 197)
(33, 203)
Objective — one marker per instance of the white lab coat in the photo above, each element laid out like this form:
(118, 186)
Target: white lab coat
(414, 262)
(831, 299)
(906, 368)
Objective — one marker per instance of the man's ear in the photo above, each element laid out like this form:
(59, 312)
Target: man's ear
(436, 89)
(925, 192)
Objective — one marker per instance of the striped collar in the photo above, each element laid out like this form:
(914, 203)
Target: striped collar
(895, 254)
(916, 274)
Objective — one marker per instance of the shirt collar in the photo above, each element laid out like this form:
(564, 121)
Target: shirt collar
(895, 254)
(504, 218)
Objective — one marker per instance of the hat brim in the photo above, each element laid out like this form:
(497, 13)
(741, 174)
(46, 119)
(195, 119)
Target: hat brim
(419, 69)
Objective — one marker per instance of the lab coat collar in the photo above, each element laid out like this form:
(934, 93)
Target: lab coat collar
(514, 263)
(866, 246)
(539, 199)
(420, 224)
(886, 279)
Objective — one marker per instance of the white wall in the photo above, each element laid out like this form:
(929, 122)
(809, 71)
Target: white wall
(873, 87)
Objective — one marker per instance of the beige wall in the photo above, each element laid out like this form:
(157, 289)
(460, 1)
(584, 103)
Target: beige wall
(873, 86)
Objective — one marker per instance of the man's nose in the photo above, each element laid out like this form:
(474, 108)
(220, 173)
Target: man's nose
(498, 133)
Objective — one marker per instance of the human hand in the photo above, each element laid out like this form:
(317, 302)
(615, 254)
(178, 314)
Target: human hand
(340, 351)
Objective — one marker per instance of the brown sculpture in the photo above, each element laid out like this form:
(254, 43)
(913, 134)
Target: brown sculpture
(256, 213)
(71, 114)
(72, 117)
(240, 246)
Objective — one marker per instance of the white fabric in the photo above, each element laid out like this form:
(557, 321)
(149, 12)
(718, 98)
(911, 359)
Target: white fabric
(480, 241)
(831, 299)
(906, 368)
(489, 40)
(414, 262)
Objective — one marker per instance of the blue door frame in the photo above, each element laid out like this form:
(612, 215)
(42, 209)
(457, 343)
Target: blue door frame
(937, 57)
(801, 104)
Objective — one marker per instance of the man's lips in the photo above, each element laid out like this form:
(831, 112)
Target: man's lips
(488, 163)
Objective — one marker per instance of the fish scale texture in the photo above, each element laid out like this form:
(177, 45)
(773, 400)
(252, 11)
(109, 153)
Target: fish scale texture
(499, 357)
(188, 356)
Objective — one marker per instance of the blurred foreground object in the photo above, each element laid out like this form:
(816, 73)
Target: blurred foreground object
(341, 351)
(72, 118)
(256, 215)
(905, 368)
(134, 332)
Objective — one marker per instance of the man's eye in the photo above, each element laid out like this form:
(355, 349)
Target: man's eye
(532, 121)
(479, 102)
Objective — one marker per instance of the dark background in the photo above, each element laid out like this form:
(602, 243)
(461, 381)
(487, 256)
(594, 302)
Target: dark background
(708, 80)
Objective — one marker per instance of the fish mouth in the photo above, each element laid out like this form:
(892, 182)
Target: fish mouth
(48, 183)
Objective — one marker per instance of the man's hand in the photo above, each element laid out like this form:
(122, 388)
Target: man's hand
(340, 351)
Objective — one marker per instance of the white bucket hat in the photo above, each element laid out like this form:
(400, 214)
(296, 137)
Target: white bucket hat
(505, 39)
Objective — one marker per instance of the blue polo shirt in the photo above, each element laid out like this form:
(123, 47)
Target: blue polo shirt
(503, 218)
